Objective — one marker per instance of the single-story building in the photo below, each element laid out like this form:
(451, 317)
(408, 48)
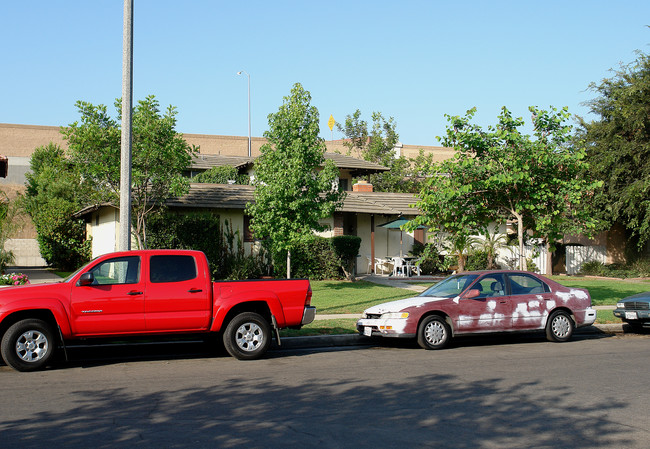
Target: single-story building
(361, 214)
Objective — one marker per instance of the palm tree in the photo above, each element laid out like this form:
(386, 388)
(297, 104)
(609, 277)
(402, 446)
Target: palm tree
(491, 243)
(460, 246)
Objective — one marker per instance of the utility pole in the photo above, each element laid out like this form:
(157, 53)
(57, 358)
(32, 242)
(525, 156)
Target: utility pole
(126, 139)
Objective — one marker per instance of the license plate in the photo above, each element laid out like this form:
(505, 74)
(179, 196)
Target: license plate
(630, 316)
(367, 331)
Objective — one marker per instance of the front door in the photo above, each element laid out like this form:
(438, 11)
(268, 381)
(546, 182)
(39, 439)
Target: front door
(114, 303)
(491, 311)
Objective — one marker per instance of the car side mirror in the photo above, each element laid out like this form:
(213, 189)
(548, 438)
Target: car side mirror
(86, 279)
(473, 293)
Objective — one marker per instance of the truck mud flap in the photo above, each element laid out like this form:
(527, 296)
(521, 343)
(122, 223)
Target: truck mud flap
(276, 330)
(65, 350)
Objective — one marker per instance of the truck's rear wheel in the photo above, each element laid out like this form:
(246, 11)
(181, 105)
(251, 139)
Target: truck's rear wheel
(247, 336)
(28, 345)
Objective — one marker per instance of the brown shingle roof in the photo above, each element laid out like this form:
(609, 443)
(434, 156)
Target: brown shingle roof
(207, 161)
(224, 196)
(215, 196)
(356, 166)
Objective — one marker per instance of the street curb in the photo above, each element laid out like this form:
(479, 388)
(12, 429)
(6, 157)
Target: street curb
(328, 341)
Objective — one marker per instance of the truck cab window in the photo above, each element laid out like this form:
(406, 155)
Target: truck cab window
(121, 270)
(172, 268)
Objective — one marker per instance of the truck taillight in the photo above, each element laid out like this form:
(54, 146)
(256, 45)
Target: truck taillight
(308, 298)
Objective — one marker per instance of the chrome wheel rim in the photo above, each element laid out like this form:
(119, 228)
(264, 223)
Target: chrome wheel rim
(435, 333)
(561, 326)
(32, 346)
(249, 337)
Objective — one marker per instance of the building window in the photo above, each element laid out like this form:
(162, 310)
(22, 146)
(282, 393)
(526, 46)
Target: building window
(248, 232)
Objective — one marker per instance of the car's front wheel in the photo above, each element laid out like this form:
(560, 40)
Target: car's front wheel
(559, 327)
(434, 333)
(247, 336)
(28, 345)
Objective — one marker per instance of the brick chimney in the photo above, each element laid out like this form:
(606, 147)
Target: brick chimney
(362, 186)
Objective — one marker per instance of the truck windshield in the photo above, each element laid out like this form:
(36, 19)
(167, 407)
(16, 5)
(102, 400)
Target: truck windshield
(450, 287)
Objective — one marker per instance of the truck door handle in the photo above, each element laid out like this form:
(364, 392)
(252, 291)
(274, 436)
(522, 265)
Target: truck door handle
(195, 290)
(133, 293)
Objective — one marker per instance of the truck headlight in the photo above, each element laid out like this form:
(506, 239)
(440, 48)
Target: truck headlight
(620, 305)
(395, 316)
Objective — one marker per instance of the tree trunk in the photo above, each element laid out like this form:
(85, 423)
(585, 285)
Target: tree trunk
(520, 236)
(461, 263)
(549, 258)
(288, 264)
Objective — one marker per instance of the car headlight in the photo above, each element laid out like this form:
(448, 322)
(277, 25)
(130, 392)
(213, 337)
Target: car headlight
(395, 316)
(620, 305)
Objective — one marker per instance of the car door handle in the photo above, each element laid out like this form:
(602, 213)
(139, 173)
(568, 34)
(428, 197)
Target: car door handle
(195, 290)
(133, 293)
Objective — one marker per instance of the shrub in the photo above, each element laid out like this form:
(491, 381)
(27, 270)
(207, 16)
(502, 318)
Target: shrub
(14, 279)
(314, 259)
(636, 268)
(203, 231)
(346, 248)
(592, 268)
(431, 261)
(477, 260)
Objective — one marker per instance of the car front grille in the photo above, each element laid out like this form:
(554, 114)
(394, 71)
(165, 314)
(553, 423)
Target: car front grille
(636, 305)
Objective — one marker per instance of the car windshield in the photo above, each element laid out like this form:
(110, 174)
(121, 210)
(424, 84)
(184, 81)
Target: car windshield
(450, 287)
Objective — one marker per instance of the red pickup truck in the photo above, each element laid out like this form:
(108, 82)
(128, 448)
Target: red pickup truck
(148, 292)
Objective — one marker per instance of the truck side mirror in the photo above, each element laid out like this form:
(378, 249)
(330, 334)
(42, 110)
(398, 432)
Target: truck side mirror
(86, 279)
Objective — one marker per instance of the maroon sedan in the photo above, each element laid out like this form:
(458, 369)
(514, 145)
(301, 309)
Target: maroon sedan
(482, 302)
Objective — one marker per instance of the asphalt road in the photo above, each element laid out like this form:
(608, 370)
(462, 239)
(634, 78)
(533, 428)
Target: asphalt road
(499, 392)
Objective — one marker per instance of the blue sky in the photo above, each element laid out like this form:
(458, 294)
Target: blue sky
(411, 60)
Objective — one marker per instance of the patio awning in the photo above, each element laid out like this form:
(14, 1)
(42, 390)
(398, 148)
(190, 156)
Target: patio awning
(397, 224)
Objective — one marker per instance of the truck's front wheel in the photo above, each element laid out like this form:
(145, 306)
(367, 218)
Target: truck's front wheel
(28, 345)
(247, 336)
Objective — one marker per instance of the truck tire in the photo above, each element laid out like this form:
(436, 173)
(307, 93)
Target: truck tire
(28, 345)
(247, 336)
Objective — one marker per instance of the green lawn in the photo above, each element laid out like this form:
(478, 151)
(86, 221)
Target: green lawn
(605, 291)
(352, 297)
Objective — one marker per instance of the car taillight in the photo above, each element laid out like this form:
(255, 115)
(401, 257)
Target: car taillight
(308, 298)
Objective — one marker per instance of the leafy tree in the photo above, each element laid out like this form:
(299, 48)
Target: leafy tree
(346, 248)
(8, 211)
(502, 174)
(159, 156)
(55, 190)
(378, 145)
(221, 175)
(618, 147)
(291, 193)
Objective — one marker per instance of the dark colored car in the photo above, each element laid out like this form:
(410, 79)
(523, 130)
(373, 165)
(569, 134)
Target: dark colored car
(635, 310)
(481, 302)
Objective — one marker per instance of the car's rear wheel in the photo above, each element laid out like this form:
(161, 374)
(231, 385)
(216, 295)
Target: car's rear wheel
(559, 327)
(434, 333)
(28, 345)
(247, 336)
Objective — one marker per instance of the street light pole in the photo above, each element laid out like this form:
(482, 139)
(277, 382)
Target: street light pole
(249, 109)
(124, 243)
